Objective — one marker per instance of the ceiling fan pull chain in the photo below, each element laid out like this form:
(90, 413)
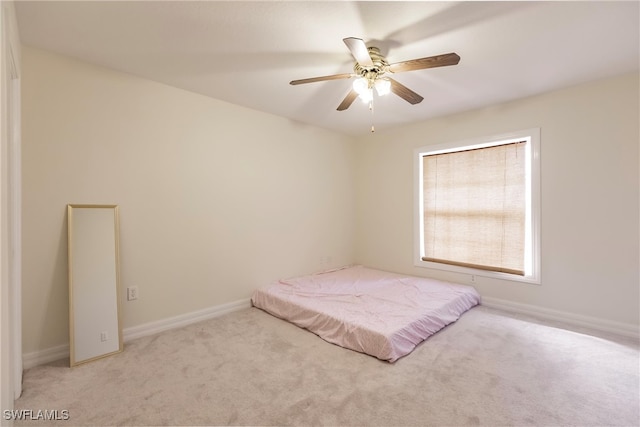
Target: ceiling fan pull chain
(373, 129)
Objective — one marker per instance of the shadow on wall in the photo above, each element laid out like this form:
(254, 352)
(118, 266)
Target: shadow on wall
(57, 302)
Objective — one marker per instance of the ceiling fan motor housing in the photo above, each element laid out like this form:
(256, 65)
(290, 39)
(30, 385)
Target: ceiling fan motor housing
(371, 73)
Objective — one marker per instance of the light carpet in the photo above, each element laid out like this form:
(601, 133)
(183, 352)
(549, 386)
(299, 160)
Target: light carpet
(248, 368)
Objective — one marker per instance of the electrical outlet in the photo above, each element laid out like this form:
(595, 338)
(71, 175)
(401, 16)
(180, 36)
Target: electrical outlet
(132, 293)
(104, 336)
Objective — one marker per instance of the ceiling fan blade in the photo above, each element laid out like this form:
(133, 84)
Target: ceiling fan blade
(405, 93)
(359, 51)
(422, 63)
(348, 100)
(323, 78)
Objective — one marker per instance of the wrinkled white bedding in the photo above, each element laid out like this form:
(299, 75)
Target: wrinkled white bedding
(371, 311)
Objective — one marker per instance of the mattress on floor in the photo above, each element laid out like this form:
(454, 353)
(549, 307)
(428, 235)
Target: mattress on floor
(371, 311)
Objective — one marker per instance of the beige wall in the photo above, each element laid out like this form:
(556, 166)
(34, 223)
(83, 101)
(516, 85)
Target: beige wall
(215, 199)
(589, 191)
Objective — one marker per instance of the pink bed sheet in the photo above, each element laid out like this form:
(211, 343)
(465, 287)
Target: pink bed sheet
(371, 311)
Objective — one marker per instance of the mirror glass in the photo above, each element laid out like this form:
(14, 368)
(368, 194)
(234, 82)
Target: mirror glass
(94, 293)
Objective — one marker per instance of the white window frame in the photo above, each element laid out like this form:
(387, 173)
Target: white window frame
(532, 240)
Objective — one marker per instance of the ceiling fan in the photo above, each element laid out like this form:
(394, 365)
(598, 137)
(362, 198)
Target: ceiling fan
(371, 71)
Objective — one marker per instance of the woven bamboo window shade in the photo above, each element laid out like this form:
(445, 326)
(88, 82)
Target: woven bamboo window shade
(474, 208)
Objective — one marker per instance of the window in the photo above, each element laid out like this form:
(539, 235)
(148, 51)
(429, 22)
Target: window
(478, 206)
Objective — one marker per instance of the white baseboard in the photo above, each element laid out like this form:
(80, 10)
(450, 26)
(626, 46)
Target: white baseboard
(36, 358)
(152, 328)
(29, 360)
(618, 328)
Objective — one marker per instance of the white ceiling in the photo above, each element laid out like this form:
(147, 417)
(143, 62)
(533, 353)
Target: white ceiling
(247, 52)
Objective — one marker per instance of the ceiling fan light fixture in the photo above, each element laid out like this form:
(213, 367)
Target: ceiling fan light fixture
(366, 96)
(361, 85)
(383, 86)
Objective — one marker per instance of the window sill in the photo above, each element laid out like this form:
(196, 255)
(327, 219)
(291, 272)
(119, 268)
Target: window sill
(533, 279)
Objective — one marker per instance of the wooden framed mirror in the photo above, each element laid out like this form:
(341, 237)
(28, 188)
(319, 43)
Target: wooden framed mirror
(95, 328)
